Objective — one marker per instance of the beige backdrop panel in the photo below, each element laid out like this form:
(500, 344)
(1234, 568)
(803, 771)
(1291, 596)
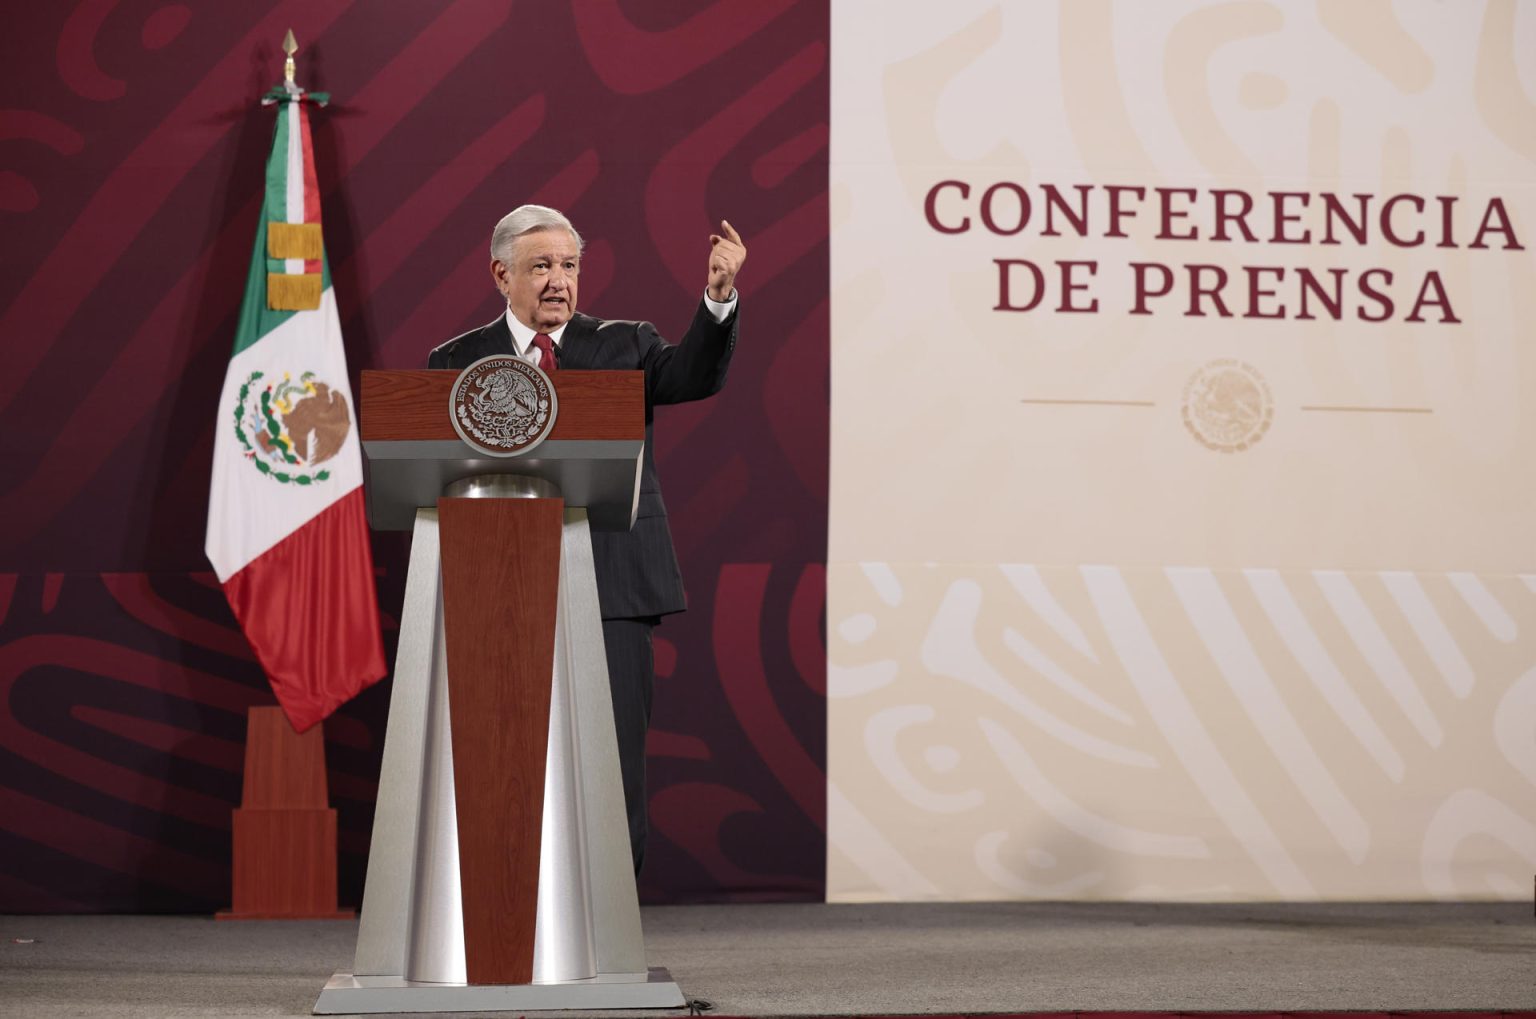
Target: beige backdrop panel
(1305, 670)
(1009, 731)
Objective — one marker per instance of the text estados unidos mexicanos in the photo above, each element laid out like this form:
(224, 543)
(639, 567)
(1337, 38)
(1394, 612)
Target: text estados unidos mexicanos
(1225, 215)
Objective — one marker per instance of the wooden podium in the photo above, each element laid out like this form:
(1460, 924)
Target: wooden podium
(500, 875)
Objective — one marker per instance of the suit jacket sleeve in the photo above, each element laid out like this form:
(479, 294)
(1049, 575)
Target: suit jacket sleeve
(694, 368)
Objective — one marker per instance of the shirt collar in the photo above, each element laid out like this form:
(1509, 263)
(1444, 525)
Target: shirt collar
(522, 336)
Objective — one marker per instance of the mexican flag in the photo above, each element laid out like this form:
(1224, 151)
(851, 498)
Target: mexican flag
(287, 530)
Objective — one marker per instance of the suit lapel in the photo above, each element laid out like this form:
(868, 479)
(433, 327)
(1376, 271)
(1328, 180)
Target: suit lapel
(577, 349)
(494, 338)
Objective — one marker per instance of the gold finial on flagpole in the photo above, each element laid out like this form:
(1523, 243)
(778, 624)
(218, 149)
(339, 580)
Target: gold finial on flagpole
(290, 47)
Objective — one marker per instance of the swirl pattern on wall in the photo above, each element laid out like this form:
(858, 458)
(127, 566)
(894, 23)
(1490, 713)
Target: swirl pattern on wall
(130, 178)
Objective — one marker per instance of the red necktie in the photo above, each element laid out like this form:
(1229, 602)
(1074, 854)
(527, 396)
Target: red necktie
(546, 352)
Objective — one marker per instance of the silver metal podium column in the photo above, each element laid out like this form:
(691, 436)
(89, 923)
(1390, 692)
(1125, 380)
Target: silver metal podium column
(588, 947)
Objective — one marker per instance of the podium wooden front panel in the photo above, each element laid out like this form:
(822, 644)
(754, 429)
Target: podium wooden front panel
(501, 578)
(404, 406)
(592, 453)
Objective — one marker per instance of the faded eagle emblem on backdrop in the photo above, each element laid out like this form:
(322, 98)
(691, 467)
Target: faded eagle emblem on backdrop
(289, 427)
(502, 405)
(1227, 406)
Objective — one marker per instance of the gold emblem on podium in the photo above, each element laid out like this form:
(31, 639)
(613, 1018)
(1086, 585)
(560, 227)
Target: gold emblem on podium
(502, 405)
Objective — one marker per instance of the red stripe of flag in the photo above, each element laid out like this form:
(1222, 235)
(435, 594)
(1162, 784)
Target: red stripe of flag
(318, 641)
(311, 182)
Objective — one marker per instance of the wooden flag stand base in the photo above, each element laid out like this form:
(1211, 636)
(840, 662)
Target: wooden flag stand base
(284, 831)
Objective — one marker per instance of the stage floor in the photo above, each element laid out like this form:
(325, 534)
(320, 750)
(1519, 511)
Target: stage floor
(795, 960)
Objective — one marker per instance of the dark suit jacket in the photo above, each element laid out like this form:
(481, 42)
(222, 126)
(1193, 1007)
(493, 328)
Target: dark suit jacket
(637, 572)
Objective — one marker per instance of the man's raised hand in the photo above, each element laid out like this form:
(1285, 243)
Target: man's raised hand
(726, 253)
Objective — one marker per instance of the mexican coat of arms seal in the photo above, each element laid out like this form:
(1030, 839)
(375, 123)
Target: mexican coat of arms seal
(1227, 406)
(502, 405)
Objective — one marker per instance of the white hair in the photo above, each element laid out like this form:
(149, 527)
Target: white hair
(527, 219)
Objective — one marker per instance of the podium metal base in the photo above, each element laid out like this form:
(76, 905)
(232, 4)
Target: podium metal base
(347, 994)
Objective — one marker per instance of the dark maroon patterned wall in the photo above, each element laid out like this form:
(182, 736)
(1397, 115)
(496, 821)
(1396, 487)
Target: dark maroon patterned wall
(131, 153)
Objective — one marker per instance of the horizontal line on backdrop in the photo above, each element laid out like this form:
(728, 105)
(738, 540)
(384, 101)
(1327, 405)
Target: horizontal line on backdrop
(1095, 403)
(1376, 410)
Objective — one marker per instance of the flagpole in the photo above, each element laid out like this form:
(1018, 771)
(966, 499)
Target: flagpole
(290, 90)
(290, 47)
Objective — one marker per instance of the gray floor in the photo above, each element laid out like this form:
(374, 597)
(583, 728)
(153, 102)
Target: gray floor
(773, 960)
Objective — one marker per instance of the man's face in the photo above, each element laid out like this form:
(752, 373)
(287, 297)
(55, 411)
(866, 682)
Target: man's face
(540, 283)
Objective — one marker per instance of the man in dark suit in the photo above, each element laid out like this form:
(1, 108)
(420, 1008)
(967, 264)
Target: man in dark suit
(536, 263)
